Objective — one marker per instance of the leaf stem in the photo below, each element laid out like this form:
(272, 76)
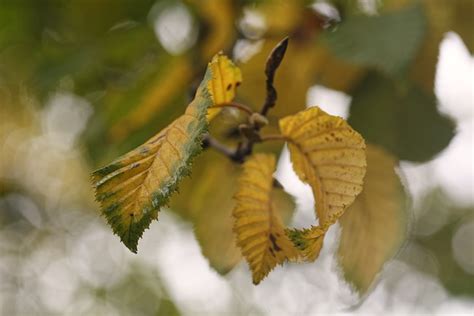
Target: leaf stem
(232, 154)
(210, 141)
(245, 147)
(241, 107)
(273, 137)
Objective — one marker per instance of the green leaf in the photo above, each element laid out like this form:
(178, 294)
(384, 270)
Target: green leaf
(387, 42)
(403, 119)
(439, 232)
(440, 245)
(141, 291)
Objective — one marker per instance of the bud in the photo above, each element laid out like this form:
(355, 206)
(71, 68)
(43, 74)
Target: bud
(258, 120)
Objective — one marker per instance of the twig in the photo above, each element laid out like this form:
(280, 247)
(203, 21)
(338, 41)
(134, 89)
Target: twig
(277, 137)
(251, 131)
(209, 141)
(232, 154)
(273, 61)
(239, 106)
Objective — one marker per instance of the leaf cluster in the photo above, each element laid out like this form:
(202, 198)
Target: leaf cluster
(326, 153)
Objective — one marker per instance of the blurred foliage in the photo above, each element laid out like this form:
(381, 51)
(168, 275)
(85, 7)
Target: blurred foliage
(382, 212)
(452, 275)
(438, 221)
(107, 52)
(136, 294)
(406, 122)
(137, 86)
(375, 41)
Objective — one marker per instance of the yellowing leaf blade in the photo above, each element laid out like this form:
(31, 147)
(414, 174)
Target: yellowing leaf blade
(330, 156)
(226, 78)
(258, 228)
(375, 225)
(308, 241)
(205, 199)
(132, 189)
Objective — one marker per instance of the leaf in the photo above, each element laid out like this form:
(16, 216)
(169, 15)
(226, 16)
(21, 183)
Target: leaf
(205, 199)
(328, 155)
(388, 42)
(154, 88)
(259, 230)
(132, 189)
(401, 118)
(375, 225)
(227, 77)
(308, 241)
(305, 64)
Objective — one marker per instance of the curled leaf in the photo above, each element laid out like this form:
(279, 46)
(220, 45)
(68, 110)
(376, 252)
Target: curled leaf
(259, 230)
(375, 225)
(330, 156)
(132, 189)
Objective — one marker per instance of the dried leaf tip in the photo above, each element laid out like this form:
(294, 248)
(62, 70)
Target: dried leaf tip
(273, 62)
(275, 58)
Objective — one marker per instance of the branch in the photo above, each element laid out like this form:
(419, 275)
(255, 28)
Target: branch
(273, 62)
(250, 132)
(265, 138)
(209, 141)
(241, 107)
(233, 154)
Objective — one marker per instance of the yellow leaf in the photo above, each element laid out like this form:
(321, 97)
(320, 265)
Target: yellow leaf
(309, 242)
(205, 199)
(330, 156)
(258, 228)
(226, 78)
(375, 225)
(133, 188)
